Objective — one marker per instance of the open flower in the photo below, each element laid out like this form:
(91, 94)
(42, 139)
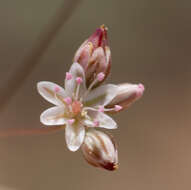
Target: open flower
(76, 106)
(84, 103)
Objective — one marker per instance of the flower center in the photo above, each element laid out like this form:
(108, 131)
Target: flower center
(76, 107)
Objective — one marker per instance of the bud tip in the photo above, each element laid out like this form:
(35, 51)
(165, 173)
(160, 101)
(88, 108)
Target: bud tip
(141, 89)
(103, 27)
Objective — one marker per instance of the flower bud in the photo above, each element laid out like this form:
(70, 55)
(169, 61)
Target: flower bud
(99, 150)
(126, 95)
(94, 55)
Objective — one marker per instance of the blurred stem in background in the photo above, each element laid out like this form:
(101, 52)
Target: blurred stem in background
(23, 132)
(33, 59)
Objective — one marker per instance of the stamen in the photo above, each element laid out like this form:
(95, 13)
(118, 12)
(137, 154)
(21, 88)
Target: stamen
(68, 76)
(117, 107)
(56, 89)
(68, 100)
(79, 80)
(100, 76)
(89, 108)
(71, 121)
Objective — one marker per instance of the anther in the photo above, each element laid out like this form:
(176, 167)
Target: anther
(68, 76)
(79, 80)
(71, 121)
(56, 89)
(68, 100)
(117, 107)
(101, 109)
(96, 123)
(100, 76)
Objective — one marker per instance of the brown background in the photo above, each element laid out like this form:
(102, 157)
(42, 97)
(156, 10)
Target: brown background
(150, 43)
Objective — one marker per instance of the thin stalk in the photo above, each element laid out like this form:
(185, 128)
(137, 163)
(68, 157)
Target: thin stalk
(25, 132)
(33, 58)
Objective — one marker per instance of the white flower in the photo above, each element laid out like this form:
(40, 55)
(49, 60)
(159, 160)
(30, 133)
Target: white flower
(77, 107)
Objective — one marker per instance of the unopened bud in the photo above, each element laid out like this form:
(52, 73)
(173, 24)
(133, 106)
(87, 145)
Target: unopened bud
(94, 55)
(126, 95)
(99, 150)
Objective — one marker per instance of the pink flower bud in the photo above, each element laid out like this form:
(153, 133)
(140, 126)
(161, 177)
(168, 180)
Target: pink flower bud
(94, 55)
(99, 150)
(126, 95)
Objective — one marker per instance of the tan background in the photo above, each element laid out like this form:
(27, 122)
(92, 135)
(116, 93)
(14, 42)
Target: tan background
(151, 43)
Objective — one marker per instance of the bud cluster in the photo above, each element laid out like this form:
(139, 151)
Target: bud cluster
(94, 55)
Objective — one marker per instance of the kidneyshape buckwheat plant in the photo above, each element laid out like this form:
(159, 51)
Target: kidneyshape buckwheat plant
(83, 105)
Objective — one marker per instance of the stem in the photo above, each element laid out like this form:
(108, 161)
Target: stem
(43, 42)
(23, 132)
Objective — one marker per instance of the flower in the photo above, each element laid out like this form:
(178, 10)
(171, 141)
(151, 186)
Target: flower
(99, 149)
(77, 107)
(126, 95)
(84, 103)
(94, 56)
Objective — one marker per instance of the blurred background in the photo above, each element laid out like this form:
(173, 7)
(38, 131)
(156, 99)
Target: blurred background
(151, 43)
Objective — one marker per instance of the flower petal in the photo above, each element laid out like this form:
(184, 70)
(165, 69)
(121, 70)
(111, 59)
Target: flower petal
(104, 120)
(52, 92)
(53, 116)
(74, 135)
(76, 70)
(101, 95)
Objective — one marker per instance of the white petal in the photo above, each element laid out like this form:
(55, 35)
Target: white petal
(53, 116)
(70, 85)
(104, 120)
(101, 95)
(88, 122)
(74, 135)
(47, 91)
